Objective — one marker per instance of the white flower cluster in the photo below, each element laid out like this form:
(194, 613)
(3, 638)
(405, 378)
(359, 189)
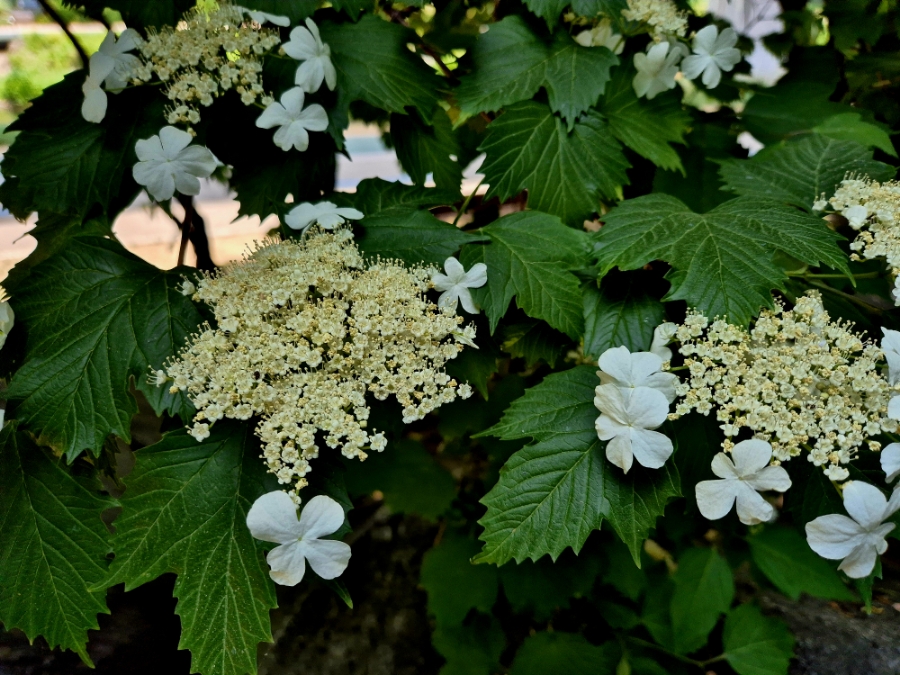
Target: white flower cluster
(796, 379)
(305, 329)
(633, 398)
(661, 16)
(873, 210)
(205, 55)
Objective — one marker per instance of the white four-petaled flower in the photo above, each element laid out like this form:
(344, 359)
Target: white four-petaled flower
(327, 214)
(741, 481)
(620, 367)
(662, 336)
(602, 35)
(306, 45)
(456, 283)
(273, 517)
(713, 53)
(168, 162)
(656, 70)
(116, 50)
(890, 345)
(294, 121)
(860, 539)
(7, 319)
(628, 417)
(93, 108)
(890, 461)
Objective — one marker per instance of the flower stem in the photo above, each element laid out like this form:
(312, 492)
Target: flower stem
(679, 657)
(465, 204)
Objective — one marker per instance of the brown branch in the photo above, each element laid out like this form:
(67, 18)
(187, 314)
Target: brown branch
(186, 228)
(398, 18)
(53, 14)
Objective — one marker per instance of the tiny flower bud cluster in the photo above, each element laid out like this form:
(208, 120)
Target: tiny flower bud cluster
(304, 331)
(873, 209)
(204, 56)
(796, 380)
(662, 17)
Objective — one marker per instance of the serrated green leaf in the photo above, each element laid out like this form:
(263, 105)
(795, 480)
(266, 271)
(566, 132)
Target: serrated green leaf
(552, 494)
(427, 148)
(352, 7)
(566, 174)
(409, 478)
(704, 589)
(619, 316)
(374, 65)
(96, 315)
(184, 511)
(54, 546)
(791, 106)
(800, 172)
(529, 257)
(534, 341)
(850, 126)
(561, 653)
(723, 260)
(470, 649)
(413, 236)
(591, 8)
(139, 13)
(549, 10)
(375, 196)
(62, 164)
(756, 644)
(787, 560)
(476, 366)
(512, 63)
(647, 127)
(561, 404)
(454, 585)
(542, 587)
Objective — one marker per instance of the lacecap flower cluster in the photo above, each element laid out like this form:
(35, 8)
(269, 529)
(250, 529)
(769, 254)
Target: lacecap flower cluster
(305, 331)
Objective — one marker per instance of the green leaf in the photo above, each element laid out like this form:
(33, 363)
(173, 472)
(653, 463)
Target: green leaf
(543, 587)
(800, 172)
(375, 196)
(140, 13)
(549, 10)
(96, 316)
(851, 127)
(454, 585)
(566, 174)
(755, 644)
(471, 649)
(55, 546)
(63, 164)
(723, 260)
(529, 257)
(619, 315)
(413, 236)
(647, 127)
(374, 65)
(786, 559)
(352, 7)
(563, 403)
(476, 366)
(427, 148)
(512, 63)
(534, 341)
(184, 511)
(552, 494)
(704, 589)
(410, 479)
(791, 106)
(561, 653)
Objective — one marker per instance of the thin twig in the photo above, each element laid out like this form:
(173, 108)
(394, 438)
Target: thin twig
(53, 14)
(398, 18)
(185, 229)
(465, 204)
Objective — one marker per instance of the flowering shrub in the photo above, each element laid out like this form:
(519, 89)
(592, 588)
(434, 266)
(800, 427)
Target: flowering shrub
(634, 363)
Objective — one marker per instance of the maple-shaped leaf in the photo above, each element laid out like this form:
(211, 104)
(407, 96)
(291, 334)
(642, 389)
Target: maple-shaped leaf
(723, 260)
(95, 315)
(53, 545)
(565, 173)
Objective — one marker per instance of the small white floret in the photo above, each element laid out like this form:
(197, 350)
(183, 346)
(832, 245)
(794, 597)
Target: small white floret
(327, 214)
(627, 420)
(455, 284)
(741, 481)
(169, 163)
(859, 540)
(713, 53)
(656, 70)
(294, 122)
(273, 518)
(306, 45)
